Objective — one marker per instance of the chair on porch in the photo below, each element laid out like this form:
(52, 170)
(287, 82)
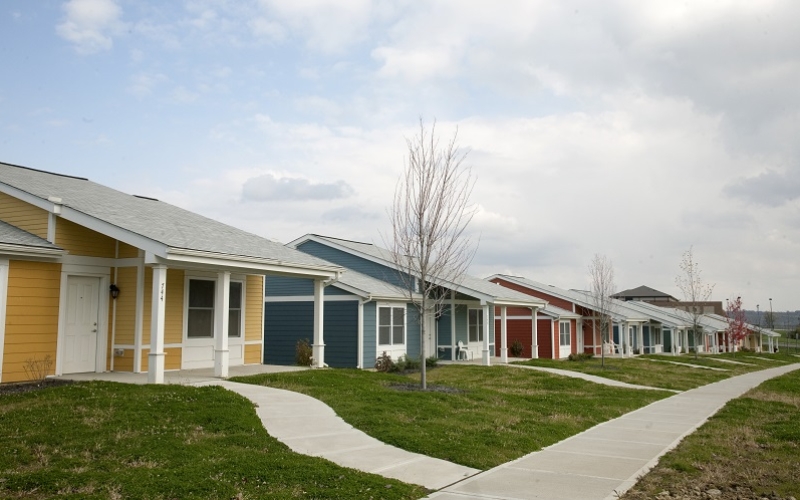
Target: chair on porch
(461, 349)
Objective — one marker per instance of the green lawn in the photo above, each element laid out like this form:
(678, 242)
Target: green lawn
(491, 416)
(749, 449)
(114, 441)
(653, 371)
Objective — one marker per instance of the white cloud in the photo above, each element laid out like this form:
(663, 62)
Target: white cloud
(90, 24)
(271, 187)
(143, 84)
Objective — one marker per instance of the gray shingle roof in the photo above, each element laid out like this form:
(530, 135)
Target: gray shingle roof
(155, 220)
(12, 235)
(643, 291)
(371, 286)
(468, 283)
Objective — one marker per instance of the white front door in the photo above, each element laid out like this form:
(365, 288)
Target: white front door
(564, 339)
(80, 335)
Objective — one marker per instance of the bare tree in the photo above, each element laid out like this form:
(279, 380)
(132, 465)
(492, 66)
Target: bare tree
(429, 216)
(601, 274)
(695, 290)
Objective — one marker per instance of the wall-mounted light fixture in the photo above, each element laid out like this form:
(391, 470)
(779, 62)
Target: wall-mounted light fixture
(114, 289)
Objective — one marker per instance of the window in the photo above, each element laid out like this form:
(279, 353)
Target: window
(391, 325)
(200, 319)
(475, 325)
(235, 310)
(563, 333)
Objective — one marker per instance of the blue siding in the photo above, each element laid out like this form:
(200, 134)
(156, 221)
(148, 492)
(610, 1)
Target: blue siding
(666, 338)
(444, 327)
(353, 262)
(412, 331)
(646, 335)
(370, 335)
(277, 286)
(287, 322)
(284, 324)
(334, 290)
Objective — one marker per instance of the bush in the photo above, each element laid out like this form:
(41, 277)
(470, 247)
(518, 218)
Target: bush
(38, 369)
(581, 356)
(404, 363)
(431, 362)
(516, 348)
(384, 363)
(303, 353)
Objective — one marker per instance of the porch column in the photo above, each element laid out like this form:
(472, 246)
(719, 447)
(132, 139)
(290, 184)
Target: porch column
(640, 335)
(221, 315)
(452, 325)
(486, 354)
(534, 334)
(155, 367)
(318, 348)
(503, 336)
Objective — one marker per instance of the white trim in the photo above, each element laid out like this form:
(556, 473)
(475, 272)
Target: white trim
(310, 298)
(80, 260)
(360, 358)
(138, 320)
(114, 311)
(51, 227)
(263, 318)
(4, 264)
(30, 251)
(155, 358)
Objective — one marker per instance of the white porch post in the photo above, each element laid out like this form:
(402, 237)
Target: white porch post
(503, 336)
(640, 335)
(535, 334)
(360, 343)
(221, 315)
(486, 354)
(155, 367)
(319, 305)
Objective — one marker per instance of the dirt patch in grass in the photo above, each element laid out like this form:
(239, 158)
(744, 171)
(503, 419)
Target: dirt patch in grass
(22, 387)
(431, 388)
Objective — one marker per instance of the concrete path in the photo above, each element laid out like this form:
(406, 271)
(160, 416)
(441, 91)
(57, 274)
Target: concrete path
(606, 460)
(732, 362)
(590, 378)
(690, 365)
(311, 427)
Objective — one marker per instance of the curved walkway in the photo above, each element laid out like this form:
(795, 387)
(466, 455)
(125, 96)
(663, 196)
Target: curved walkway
(590, 378)
(309, 426)
(605, 461)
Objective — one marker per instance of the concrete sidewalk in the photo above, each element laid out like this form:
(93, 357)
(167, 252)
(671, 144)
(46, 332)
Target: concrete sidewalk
(606, 460)
(590, 378)
(311, 427)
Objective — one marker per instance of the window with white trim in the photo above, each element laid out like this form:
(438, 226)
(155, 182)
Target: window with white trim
(475, 325)
(564, 333)
(235, 310)
(391, 325)
(200, 316)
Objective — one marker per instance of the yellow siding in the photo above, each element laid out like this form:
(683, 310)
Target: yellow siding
(127, 251)
(148, 292)
(31, 325)
(124, 363)
(254, 308)
(79, 240)
(173, 322)
(172, 358)
(23, 215)
(126, 306)
(252, 354)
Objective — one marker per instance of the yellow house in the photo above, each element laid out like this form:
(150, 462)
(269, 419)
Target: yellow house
(94, 280)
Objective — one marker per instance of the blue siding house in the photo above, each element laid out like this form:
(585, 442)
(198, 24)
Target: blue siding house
(368, 311)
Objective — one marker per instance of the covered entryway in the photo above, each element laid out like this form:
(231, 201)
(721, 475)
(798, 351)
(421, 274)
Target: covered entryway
(80, 324)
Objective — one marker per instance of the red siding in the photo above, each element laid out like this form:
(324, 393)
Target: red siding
(517, 329)
(544, 328)
(563, 304)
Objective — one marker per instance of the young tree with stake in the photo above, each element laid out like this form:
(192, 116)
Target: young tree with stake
(601, 273)
(430, 214)
(694, 290)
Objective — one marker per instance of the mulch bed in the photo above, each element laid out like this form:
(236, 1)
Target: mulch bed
(22, 387)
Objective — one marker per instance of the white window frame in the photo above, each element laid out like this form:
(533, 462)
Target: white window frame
(479, 324)
(186, 308)
(391, 325)
(568, 333)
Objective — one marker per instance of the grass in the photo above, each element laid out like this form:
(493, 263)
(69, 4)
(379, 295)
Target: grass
(752, 444)
(492, 416)
(113, 441)
(652, 371)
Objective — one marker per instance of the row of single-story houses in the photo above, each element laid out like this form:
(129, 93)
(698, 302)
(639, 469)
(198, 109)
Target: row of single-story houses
(95, 280)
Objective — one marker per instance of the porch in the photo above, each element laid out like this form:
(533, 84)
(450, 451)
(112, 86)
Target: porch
(180, 377)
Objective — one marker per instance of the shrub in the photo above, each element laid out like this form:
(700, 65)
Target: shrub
(516, 348)
(384, 363)
(38, 369)
(581, 356)
(404, 363)
(303, 353)
(431, 362)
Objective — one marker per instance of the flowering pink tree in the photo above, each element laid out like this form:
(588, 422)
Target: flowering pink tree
(737, 326)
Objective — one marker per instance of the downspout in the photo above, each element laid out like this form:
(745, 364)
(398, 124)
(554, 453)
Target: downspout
(360, 358)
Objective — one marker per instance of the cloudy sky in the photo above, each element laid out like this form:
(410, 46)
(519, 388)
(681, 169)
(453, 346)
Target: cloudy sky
(630, 129)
